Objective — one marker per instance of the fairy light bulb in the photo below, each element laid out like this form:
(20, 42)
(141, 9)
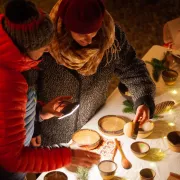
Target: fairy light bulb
(170, 111)
(171, 124)
(153, 164)
(174, 92)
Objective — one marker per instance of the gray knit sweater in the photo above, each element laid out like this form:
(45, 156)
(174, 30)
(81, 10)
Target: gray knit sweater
(91, 91)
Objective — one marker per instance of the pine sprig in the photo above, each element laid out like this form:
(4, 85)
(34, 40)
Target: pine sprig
(128, 107)
(156, 116)
(128, 103)
(82, 173)
(158, 67)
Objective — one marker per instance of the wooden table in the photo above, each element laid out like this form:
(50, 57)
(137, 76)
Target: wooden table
(170, 122)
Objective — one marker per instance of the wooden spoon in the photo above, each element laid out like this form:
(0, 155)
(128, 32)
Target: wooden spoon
(124, 161)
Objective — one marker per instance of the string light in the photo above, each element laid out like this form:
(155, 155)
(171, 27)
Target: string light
(153, 164)
(170, 111)
(174, 92)
(171, 124)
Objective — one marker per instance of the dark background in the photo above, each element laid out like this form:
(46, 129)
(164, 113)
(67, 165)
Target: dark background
(142, 20)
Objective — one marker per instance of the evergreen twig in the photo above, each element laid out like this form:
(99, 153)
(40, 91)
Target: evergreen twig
(128, 107)
(82, 173)
(158, 67)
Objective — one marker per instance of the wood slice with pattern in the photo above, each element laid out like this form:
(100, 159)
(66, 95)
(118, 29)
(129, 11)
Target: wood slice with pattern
(164, 107)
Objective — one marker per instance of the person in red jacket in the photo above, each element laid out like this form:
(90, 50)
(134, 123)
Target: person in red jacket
(25, 33)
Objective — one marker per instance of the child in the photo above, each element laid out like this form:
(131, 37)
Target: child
(25, 32)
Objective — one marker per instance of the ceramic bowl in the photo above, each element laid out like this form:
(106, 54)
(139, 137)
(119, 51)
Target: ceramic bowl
(107, 169)
(86, 138)
(124, 92)
(169, 76)
(55, 175)
(173, 139)
(140, 149)
(144, 134)
(147, 174)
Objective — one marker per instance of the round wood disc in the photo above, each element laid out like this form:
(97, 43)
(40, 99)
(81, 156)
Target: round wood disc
(112, 125)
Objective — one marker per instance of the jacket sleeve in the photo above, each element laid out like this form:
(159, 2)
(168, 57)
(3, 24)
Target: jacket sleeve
(14, 156)
(134, 74)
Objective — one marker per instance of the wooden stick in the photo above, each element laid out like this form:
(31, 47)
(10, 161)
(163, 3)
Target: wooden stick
(114, 154)
(118, 145)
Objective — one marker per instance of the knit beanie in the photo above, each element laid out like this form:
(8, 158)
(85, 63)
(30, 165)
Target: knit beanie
(28, 27)
(82, 16)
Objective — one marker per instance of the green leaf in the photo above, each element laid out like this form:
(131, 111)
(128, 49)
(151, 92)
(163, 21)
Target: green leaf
(128, 110)
(156, 74)
(156, 116)
(82, 173)
(128, 103)
(158, 67)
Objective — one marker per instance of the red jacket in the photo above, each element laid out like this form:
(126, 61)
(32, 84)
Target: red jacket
(14, 156)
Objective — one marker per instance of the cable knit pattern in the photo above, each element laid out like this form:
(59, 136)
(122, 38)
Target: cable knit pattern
(91, 91)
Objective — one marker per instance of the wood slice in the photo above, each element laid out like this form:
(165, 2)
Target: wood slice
(112, 124)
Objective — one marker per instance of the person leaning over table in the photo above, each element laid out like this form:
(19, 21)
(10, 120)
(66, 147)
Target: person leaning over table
(87, 49)
(25, 34)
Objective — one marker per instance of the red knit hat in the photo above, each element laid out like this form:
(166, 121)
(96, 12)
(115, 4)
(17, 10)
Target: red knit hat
(82, 16)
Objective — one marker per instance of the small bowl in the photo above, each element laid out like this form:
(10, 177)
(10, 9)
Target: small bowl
(107, 169)
(124, 92)
(147, 174)
(144, 134)
(86, 138)
(173, 139)
(169, 76)
(140, 149)
(55, 175)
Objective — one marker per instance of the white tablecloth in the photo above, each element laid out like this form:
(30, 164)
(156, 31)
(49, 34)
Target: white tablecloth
(114, 106)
